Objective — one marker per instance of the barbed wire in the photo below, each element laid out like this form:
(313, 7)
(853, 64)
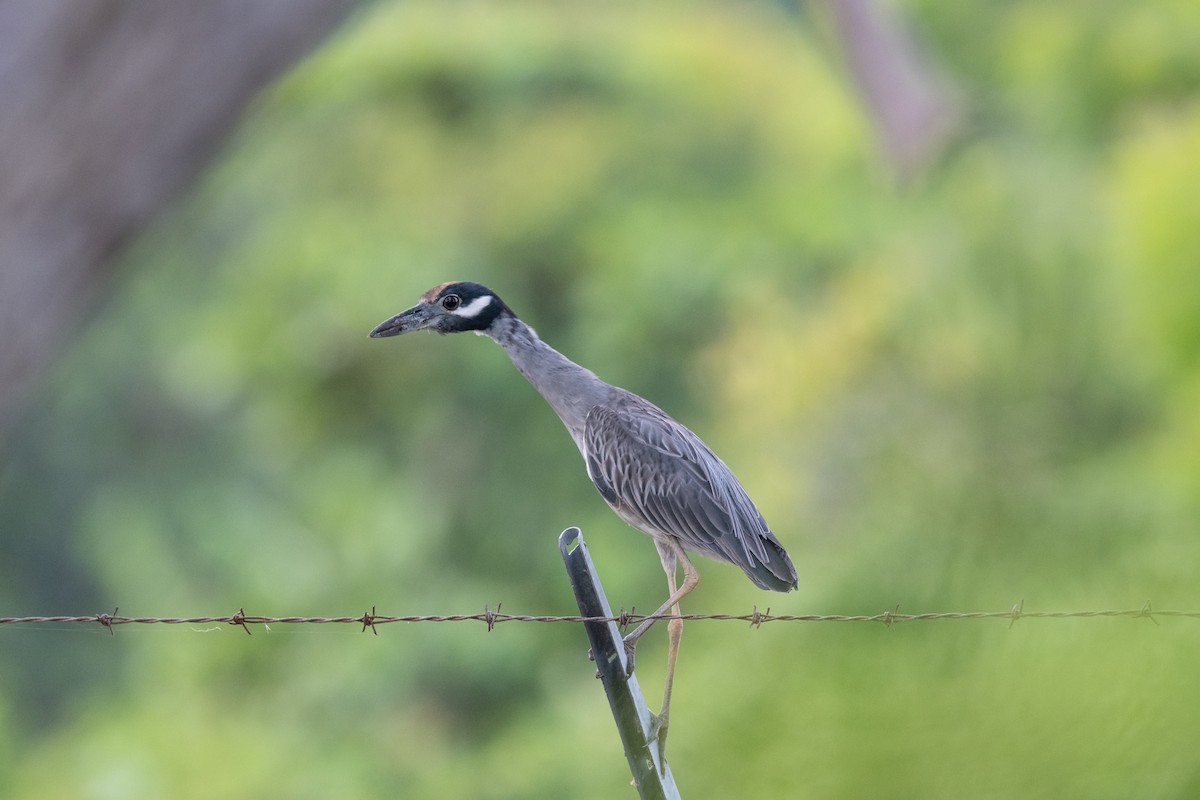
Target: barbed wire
(371, 619)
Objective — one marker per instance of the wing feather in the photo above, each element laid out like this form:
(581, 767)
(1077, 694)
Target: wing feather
(661, 478)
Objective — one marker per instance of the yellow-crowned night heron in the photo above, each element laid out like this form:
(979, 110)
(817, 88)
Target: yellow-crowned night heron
(655, 473)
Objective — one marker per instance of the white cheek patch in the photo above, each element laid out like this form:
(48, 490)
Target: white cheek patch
(473, 308)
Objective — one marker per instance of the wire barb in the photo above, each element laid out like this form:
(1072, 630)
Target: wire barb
(106, 620)
(240, 619)
(368, 621)
(623, 619)
(1017, 611)
(889, 618)
(490, 617)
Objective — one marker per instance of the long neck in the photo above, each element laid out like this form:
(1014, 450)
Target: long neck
(571, 390)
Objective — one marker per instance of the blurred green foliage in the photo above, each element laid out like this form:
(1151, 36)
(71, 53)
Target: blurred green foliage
(963, 394)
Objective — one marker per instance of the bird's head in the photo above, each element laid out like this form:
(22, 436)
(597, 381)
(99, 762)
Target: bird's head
(449, 308)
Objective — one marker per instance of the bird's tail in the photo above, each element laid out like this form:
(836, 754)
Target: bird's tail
(775, 573)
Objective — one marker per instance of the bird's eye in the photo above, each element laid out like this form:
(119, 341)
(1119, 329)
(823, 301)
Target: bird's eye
(451, 302)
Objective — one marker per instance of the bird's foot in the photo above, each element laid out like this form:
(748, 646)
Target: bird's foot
(658, 737)
(592, 658)
(630, 647)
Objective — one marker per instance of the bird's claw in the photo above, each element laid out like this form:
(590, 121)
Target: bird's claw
(630, 647)
(658, 734)
(658, 726)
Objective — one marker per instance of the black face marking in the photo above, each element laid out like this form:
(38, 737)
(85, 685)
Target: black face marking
(464, 306)
(447, 308)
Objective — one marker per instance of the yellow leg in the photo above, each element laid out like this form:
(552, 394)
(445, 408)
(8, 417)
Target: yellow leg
(670, 553)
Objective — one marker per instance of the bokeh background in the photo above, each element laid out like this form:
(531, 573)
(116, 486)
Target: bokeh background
(960, 383)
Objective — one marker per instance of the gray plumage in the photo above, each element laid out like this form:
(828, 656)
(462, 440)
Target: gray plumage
(661, 478)
(655, 473)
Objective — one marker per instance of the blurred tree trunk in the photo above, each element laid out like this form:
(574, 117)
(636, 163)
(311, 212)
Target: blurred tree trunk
(911, 102)
(108, 110)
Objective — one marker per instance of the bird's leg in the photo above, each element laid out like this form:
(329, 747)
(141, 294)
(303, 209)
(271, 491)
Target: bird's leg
(667, 554)
(658, 728)
(670, 553)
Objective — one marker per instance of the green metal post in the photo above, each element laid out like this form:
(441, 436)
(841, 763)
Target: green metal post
(652, 778)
